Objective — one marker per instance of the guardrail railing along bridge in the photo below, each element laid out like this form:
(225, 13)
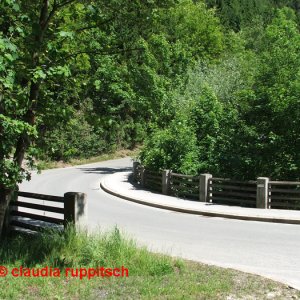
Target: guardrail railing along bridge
(35, 212)
(260, 193)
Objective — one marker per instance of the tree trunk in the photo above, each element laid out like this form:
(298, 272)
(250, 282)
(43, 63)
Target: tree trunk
(24, 139)
(5, 197)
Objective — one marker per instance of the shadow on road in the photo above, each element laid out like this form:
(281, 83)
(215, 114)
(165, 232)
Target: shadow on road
(103, 170)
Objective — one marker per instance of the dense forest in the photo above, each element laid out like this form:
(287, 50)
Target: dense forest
(205, 86)
(237, 114)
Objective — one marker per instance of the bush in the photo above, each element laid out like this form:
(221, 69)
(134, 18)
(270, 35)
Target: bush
(172, 148)
(73, 139)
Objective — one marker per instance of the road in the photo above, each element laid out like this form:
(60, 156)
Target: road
(268, 249)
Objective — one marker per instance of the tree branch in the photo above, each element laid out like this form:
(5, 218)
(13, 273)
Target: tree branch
(65, 3)
(104, 52)
(51, 14)
(95, 26)
(55, 7)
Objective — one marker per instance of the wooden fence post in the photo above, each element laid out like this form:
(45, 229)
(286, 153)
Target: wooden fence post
(143, 176)
(165, 181)
(204, 187)
(10, 197)
(262, 192)
(75, 205)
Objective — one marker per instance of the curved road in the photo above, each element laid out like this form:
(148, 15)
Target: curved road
(268, 249)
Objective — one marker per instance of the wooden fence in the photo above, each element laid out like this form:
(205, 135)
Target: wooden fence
(184, 186)
(35, 212)
(232, 192)
(261, 193)
(284, 194)
(153, 180)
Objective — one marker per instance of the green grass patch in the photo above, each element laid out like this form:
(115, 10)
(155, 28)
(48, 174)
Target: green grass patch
(151, 276)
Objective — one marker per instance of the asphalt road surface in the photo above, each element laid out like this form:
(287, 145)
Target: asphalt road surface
(268, 249)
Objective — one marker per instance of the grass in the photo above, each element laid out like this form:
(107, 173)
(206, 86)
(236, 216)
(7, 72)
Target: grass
(151, 276)
(45, 165)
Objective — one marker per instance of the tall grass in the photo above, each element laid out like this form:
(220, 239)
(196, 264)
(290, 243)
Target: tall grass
(151, 276)
(74, 250)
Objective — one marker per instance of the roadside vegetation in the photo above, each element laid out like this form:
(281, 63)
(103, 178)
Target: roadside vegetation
(151, 276)
(206, 86)
(239, 117)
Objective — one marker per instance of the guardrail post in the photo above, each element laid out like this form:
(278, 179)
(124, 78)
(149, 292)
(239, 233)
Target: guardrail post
(262, 192)
(75, 205)
(165, 181)
(204, 187)
(143, 176)
(134, 169)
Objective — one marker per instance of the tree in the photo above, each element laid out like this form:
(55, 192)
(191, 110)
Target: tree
(239, 14)
(275, 112)
(46, 47)
(244, 109)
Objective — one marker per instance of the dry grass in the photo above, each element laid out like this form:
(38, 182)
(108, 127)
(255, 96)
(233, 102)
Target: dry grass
(44, 165)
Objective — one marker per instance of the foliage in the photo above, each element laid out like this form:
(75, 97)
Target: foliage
(118, 74)
(244, 108)
(48, 52)
(71, 139)
(172, 148)
(10, 104)
(238, 14)
(275, 112)
(78, 80)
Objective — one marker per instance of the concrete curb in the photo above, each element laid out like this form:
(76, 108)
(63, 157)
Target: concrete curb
(202, 212)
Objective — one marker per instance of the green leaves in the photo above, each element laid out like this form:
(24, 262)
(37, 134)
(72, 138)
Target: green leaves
(15, 127)
(39, 74)
(63, 71)
(242, 112)
(69, 34)
(174, 148)
(96, 80)
(10, 130)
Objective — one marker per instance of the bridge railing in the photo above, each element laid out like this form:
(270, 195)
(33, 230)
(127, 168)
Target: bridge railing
(232, 192)
(35, 212)
(284, 194)
(260, 193)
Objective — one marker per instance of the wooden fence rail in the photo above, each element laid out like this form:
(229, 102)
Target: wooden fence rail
(232, 192)
(260, 193)
(153, 180)
(184, 186)
(35, 212)
(284, 194)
